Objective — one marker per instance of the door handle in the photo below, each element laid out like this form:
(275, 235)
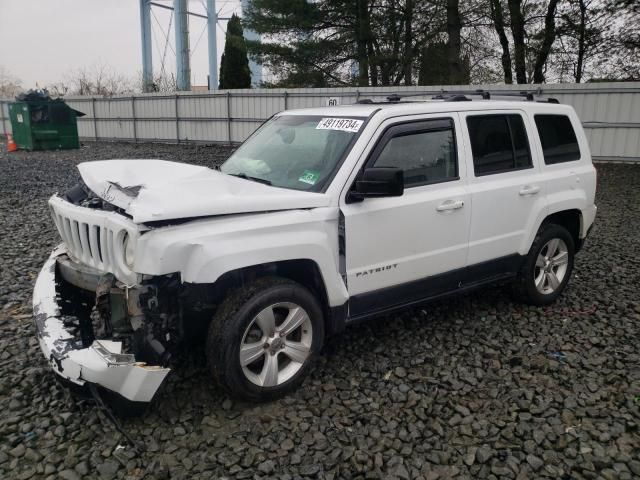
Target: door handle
(529, 190)
(450, 205)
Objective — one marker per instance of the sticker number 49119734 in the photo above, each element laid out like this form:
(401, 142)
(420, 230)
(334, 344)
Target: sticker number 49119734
(343, 124)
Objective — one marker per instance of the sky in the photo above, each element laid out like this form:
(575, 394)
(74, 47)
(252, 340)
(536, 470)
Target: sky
(41, 41)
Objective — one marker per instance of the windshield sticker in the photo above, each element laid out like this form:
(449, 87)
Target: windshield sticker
(343, 124)
(309, 176)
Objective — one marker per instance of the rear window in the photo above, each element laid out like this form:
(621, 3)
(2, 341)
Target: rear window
(499, 143)
(559, 142)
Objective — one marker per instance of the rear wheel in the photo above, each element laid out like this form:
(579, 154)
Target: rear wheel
(264, 337)
(548, 266)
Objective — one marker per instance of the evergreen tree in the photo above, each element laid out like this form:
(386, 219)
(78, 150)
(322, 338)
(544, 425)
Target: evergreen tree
(434, 69)
(319, 43)
(342, 42)
(234, 66)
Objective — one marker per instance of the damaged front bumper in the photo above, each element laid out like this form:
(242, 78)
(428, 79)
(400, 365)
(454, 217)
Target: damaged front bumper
(101, 363)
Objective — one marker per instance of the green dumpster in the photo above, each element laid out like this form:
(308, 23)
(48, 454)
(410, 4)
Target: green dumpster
(44, 124)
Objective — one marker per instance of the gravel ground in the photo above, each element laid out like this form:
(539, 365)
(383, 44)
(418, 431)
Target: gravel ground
(475, 387)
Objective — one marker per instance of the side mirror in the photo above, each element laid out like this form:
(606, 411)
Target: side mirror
(378, 182)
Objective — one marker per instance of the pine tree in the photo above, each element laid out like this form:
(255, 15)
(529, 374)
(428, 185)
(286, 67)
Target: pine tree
(342, 42)
(434, 68)
(234, 66)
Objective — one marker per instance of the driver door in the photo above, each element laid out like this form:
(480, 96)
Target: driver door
(401, 250)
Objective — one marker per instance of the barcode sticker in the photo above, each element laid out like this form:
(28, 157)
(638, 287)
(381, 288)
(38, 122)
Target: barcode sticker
(343, 124)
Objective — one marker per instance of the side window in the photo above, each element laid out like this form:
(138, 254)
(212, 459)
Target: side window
(499, 143)
(425, 151)
(559, 142)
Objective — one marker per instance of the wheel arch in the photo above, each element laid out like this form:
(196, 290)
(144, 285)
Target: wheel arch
(570, 219)
(303, 271)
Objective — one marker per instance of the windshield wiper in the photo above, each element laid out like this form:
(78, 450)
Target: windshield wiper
(247, 177)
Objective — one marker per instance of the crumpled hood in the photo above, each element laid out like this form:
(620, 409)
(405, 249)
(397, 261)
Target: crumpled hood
(152, 190)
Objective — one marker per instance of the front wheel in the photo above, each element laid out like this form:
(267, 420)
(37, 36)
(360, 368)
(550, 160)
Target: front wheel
(264, 337)
(548, 266)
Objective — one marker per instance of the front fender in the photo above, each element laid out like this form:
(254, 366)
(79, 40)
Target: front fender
(204, 250)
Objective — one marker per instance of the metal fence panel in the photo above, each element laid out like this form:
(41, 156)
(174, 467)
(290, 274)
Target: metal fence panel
(159, 130)
(5, 122)
(610, 112)
(614, 143)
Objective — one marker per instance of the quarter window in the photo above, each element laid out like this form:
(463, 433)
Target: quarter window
(424, 151)
(499, 144)
(559, 142)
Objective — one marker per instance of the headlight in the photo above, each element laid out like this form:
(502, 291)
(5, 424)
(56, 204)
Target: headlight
(128, 247)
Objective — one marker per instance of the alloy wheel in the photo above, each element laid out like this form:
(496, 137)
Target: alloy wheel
(551, 266)
(276, 344)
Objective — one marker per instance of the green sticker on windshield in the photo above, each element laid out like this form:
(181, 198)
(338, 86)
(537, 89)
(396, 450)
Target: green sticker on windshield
(309, 176)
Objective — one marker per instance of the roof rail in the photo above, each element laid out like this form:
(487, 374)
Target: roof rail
(529, 95)
(454, 95)
(462, 96)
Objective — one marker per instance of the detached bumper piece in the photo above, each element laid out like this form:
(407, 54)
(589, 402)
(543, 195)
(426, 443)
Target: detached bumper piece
(102, 363)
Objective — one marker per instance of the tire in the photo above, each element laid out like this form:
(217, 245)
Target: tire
(243, 320)
(542, 280)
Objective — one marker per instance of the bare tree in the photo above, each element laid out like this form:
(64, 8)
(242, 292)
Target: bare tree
(548, 36)
(497, 16)
(581, 31)
(519, 35)
(98, 79)
(162, 82)
(165, 82)
(58, 89)
(363, 34)
(454, 42)
(583, 35)
(10, 85)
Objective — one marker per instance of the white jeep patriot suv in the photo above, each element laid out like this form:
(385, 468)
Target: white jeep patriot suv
(323, 217)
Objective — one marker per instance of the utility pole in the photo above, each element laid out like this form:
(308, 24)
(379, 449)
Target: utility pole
(183, 69)
(212, 20)
(145, 31)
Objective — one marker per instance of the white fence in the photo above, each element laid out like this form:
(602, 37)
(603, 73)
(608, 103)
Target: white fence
(610, 112)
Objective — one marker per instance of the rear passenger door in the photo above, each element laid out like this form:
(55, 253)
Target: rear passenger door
(506, 187)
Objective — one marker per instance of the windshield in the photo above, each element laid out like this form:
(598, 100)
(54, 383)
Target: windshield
(294, 151)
